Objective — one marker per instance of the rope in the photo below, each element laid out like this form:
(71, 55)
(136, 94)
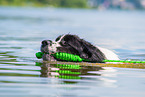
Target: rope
(75, 58)
(124, 61)
(119, 65)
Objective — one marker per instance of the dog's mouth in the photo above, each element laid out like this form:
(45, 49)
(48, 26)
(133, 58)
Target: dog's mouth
(46, 50)
(47, 56)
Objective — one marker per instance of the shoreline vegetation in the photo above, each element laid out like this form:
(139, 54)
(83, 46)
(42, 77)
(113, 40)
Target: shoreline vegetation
(46, 3)
(88, 4)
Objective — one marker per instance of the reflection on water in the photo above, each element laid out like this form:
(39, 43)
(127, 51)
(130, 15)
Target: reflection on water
(11, 67)
(23, 29)
(67, 71)
(19, 77)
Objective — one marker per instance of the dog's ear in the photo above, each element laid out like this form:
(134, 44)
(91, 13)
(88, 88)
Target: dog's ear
(86, 52)
(84, 49)
(81, 50)
(74, 42)
(81, 47)
(91, 52)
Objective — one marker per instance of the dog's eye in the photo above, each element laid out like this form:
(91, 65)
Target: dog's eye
(63, 43)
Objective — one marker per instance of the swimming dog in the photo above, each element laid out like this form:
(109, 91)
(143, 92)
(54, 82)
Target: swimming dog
(73, 44)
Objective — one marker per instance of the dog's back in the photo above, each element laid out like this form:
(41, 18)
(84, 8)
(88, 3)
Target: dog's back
(110, 55)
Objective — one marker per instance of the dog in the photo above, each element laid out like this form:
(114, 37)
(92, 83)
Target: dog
(73, 44)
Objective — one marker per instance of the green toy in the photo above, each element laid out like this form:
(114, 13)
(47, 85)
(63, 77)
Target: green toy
(76, 58)
(39, 55)
(63, 56)
(68, 57)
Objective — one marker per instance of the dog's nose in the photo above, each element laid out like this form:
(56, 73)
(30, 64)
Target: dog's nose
(46, 42)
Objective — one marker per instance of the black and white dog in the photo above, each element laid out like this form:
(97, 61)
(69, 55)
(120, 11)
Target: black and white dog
(74, 45)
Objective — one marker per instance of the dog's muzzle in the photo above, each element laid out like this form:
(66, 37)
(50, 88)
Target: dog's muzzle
(46, 42)
(46, 48)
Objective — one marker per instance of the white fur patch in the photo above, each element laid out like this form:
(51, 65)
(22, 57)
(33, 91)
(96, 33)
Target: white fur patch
(53, 47)
(110, 55)
(61, 38)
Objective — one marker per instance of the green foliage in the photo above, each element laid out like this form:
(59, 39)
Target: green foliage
(55, 3)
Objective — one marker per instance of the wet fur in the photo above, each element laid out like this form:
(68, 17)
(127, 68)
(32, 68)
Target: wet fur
(74, 45)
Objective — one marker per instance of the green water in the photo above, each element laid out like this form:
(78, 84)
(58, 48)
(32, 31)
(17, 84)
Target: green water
(23, 75)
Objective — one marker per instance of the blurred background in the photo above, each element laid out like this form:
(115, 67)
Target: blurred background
(99, 4)
(118, 25)
(114, 24)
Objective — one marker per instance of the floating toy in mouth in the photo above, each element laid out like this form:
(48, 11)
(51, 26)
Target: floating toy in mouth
(75, 58)
(39, 55)
(63, 56)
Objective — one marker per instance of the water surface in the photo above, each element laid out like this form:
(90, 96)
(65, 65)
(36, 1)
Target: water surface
(23, 29)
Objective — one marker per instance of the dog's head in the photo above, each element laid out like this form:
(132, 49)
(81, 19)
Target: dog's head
(74, 45)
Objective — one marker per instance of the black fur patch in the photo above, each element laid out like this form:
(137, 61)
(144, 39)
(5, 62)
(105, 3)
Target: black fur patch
(74, 45)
